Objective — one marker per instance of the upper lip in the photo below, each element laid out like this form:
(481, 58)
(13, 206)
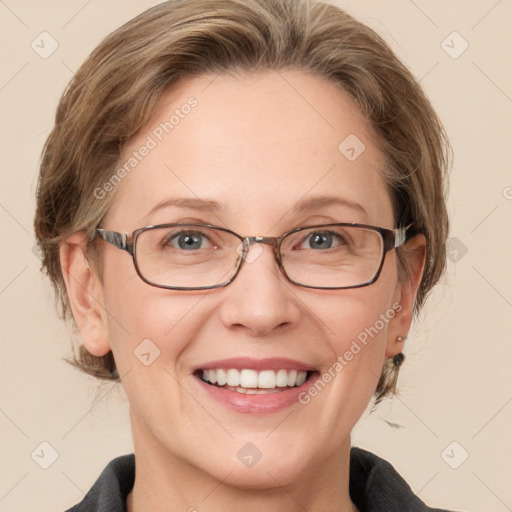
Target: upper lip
(272, 363)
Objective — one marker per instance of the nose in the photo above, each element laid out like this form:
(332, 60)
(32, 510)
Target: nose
(260, 300)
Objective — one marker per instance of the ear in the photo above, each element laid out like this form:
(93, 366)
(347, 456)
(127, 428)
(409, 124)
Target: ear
(85, 292)
(405, 295)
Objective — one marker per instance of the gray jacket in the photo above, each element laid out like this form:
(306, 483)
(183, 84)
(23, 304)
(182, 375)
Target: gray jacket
(375, 486)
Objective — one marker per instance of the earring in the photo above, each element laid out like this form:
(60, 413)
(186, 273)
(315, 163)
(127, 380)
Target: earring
(399, 358)
(389, 375)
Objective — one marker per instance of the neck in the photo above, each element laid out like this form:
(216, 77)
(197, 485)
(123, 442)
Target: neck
(163, 480)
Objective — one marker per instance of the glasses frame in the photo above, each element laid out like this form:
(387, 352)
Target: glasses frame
(391, 239)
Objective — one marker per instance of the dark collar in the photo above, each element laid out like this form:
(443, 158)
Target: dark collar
(375, 486)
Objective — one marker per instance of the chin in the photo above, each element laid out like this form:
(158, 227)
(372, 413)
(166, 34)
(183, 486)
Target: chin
(259, 477)
(252, 470)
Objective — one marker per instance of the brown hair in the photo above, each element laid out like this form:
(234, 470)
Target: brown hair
(116, 90)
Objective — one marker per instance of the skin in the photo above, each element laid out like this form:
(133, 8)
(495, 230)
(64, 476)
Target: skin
(258, 147)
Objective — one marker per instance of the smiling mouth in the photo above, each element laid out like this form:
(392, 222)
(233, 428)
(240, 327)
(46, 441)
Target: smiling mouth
(254, 382)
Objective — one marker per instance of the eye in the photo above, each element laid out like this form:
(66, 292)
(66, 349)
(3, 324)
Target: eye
(322, 240)
(187, 241)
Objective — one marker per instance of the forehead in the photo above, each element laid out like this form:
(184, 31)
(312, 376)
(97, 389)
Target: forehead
(257, 144)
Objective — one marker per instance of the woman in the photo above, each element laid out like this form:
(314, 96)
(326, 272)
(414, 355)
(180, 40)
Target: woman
(242, 206)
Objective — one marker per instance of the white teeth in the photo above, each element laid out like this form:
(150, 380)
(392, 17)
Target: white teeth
(267, 379)
(282, 379)
(221, 377)
(251, 379)
(292, 378)
(301, 378)
(233, 378)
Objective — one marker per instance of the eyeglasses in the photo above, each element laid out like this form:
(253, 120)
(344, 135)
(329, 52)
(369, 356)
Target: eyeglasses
(186, 256)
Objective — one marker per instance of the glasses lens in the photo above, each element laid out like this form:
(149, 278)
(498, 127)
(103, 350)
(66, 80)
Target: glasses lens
(187, 256)
(332, 256)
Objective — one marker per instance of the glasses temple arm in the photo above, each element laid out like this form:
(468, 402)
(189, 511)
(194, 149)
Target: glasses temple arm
(119, 240)
(400, 235)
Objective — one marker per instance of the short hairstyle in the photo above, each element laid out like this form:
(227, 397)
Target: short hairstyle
(116, 90)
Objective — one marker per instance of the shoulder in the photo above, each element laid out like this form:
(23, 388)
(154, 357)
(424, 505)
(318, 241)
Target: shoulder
(376, 486)
(109, 492)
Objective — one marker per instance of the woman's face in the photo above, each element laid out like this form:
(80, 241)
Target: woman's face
(260, 146)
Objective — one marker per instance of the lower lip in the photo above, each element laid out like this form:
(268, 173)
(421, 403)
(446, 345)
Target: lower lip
(256, 404)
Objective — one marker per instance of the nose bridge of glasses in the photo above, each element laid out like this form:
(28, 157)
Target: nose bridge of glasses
(267, 240)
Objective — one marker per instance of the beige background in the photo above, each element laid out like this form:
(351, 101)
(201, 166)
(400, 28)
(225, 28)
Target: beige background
(456, 384)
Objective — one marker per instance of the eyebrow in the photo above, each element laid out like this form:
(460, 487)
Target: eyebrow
(315, 202)
(304, 205)
(187, 202)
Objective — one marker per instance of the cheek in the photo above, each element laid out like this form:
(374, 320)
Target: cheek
(359, 340)
(356, 327)
(150, 334)
(147, 326)
(359, 317)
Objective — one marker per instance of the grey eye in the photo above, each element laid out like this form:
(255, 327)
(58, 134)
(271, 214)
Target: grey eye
(322, 240)
(187, 241)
